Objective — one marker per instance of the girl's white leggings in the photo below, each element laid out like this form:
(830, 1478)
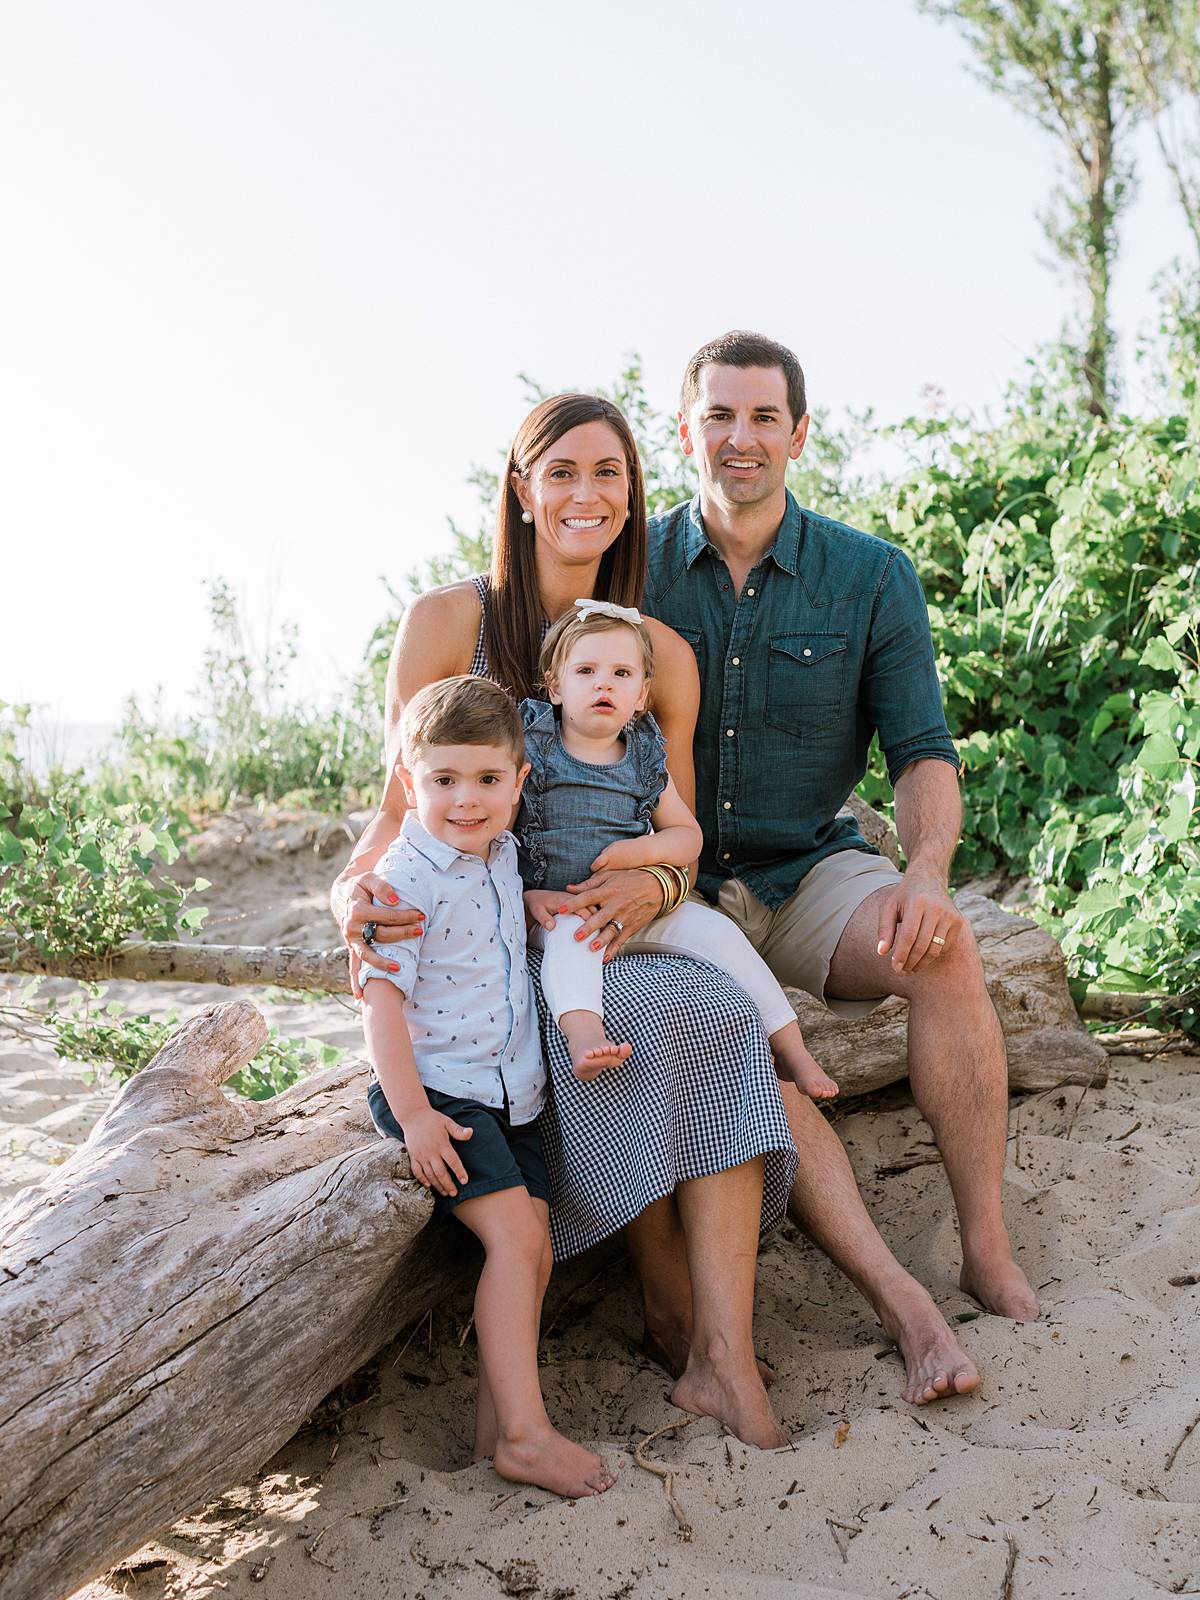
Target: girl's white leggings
(573, 973)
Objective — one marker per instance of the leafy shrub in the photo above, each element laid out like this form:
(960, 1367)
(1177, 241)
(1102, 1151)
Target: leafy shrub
(122, 1042)
(77, 873)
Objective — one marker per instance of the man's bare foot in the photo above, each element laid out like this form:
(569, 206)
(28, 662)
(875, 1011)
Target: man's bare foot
(549, 1461)
(935, 1364)
(1001, 1288)
(672, 1351)
(735, 1398)
(592, 1051)
(794, 1062)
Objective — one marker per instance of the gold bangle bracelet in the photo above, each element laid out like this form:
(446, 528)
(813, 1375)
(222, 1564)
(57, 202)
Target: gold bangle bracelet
(682, 885)
(664, 883)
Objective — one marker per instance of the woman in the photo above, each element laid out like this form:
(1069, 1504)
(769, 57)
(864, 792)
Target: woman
(687, 1147)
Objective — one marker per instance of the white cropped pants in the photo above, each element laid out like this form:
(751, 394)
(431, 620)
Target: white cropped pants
(573, 973)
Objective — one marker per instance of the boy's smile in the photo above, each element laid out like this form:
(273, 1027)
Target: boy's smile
(464, 794)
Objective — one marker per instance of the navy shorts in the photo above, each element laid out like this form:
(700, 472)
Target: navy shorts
(497, 1156)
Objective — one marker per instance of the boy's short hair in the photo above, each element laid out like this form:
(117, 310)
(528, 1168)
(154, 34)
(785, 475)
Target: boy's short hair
(741, 349)
(464, 710)
(570, 628)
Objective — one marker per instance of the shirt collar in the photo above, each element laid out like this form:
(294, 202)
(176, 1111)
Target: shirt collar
(437, 851)
(785, 552)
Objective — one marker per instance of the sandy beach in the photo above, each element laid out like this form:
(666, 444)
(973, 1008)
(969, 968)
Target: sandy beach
(1071, 1472)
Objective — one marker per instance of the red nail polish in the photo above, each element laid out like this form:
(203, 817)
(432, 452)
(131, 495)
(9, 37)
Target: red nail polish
(392, 967)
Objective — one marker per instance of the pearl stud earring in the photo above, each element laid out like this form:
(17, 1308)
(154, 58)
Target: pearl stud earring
(527, 516)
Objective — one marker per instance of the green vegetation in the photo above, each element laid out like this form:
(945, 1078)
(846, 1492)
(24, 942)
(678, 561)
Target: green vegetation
(122, 1041)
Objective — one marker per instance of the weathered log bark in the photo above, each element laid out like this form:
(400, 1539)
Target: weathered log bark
(288, 966)
(185, 1290)
(1026, 976)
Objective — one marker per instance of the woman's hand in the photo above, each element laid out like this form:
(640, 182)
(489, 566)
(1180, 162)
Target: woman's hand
(392, 921)
(541, 906)
(614, 906)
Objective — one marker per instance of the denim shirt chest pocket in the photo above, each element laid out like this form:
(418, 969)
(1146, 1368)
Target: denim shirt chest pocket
(806, 682)
(696, 639)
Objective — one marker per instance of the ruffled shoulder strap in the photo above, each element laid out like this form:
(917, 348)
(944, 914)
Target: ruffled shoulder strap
(644, 738)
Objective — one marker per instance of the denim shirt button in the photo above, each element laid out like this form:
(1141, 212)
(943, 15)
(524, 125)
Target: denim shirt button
(750, 591)
(729, 805)
(737, 661)
(729, 733)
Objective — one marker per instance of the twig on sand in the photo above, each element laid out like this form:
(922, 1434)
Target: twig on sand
(907, 1163)
(362, 1511)
(1006, 1588)
(1187, 1434)
(666, 1475)
(413, 1332)
(1078, 1104)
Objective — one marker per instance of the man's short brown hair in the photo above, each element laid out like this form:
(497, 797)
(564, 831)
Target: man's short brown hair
(740, 349)
(463, 710)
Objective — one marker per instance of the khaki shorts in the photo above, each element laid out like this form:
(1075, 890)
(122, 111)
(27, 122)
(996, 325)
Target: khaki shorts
(798, 941)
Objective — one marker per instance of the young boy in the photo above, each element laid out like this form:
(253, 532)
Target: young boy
(457, 1070)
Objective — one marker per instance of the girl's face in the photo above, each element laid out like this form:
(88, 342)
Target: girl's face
(578, 493)
(602, 683)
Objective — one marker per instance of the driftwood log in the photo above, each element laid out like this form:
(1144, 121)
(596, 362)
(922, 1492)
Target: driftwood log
(179, 1296)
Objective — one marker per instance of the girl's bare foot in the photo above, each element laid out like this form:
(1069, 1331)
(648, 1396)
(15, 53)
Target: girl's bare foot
(794, 1061)
(735, 1397)
(592, 1052)
(549, 1461)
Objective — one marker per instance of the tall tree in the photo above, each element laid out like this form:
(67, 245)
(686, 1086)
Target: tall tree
(1158, 44)
(1059, 63)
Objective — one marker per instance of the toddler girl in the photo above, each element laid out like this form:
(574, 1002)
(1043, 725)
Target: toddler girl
(599, 796)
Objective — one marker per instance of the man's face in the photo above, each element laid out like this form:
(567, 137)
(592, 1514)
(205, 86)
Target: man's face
(741, 433)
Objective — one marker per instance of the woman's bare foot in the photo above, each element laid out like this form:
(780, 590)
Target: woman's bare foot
(794, 1061)
(672, 1350)
(735, 1397)
(549, 1461)
(1000, 1286)
(592, 1052)
(935, 1364)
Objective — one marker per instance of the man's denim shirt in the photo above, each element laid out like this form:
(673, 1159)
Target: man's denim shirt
(827, 644)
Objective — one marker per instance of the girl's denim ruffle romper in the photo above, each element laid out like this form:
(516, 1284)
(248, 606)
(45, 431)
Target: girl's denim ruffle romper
(571, 809)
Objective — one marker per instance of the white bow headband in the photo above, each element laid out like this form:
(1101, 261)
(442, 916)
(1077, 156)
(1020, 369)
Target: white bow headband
(606, 608)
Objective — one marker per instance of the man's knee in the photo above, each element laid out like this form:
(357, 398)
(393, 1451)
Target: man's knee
(957, 969)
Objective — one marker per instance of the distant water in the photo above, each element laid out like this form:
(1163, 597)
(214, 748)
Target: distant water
(44, 745)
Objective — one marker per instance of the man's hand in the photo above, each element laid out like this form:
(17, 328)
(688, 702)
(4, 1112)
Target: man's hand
(429, 1139)
(542, 905)
(917, 921)
(631, 898)
(392, 921)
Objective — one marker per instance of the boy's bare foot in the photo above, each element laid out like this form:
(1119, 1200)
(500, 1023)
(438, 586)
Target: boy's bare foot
(935, 1364)
(735, 1398)
(549, 1461)
(1000, 1286)
(592, 1052)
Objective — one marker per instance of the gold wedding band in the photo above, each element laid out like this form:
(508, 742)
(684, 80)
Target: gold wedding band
(937, 939)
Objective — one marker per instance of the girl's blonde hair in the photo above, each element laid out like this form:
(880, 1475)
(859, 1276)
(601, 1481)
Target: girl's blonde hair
(569, 629)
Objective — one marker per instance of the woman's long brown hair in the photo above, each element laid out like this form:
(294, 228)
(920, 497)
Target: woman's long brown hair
(512, 629)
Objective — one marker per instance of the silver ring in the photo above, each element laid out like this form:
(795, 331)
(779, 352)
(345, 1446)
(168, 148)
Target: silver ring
(618, 925)
(370, 929)
(937, 939)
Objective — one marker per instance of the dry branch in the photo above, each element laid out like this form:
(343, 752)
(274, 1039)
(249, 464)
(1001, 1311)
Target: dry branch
(180, 1295)
(287, 966)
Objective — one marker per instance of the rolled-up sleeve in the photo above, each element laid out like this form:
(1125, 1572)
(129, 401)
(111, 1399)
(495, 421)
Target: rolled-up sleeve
(900, 694)
(413, 893)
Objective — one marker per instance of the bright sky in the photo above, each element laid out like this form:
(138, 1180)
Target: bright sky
(270, 272)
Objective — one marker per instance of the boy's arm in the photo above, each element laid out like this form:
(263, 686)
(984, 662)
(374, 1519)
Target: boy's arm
(677, 838)
(428, 1135)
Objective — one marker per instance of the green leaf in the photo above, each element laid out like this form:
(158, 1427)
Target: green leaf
(1159, 655)
(1159, 756)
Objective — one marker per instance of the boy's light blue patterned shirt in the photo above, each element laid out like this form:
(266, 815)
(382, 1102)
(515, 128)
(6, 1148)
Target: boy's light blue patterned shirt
(469, 1001)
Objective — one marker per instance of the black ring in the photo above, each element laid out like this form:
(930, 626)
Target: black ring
(370, 929)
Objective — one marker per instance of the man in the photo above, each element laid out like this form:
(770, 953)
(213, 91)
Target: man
(811, 637)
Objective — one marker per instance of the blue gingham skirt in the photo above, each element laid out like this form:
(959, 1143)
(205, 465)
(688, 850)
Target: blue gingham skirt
(698, 1095)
